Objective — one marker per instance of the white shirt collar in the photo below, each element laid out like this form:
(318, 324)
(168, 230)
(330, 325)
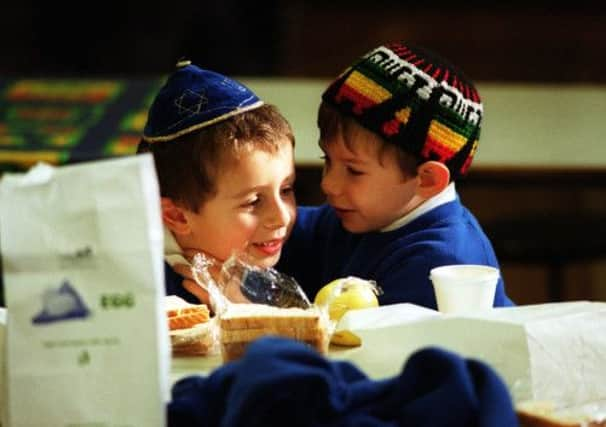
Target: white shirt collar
(172, 251)
(447, 195)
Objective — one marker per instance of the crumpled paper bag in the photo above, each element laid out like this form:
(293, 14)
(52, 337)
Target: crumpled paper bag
(554, 352)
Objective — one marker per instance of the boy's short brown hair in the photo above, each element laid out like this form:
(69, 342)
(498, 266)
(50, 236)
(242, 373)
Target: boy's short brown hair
(331, 121)
(187, 166)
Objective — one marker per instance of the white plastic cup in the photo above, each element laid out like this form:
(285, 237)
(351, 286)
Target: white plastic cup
(464, 287)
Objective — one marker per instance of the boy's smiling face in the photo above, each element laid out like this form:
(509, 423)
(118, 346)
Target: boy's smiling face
(365, 185)
(253, 210)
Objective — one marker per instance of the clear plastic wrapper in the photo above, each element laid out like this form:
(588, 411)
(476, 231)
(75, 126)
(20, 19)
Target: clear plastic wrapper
(242, 282)
(250, 302)
(261, 285)
(192, 331)
(198, 340)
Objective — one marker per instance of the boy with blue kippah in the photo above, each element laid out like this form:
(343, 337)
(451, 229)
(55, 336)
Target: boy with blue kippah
(225, 168)
(398, 128)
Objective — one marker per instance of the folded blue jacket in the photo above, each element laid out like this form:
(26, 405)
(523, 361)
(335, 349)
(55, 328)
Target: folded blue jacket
(280, 382)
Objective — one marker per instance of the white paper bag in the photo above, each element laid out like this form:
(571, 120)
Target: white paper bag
(82, 258)
(3, 413)
(554, 352)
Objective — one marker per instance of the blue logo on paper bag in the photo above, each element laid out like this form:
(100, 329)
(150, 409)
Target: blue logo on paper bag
(62, 303)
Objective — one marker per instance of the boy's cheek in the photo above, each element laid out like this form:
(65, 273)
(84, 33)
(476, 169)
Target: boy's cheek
(294, 214)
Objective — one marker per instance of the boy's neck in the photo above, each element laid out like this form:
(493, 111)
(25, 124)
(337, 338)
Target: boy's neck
(173, 254)
(447, 195)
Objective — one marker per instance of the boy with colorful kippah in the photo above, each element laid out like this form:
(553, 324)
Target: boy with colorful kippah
(225, 168)
(398, 128)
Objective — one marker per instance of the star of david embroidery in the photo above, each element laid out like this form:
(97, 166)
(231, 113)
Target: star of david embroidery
(191, 102)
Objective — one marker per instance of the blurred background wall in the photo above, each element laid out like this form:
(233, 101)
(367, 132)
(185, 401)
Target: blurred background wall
(523, 43)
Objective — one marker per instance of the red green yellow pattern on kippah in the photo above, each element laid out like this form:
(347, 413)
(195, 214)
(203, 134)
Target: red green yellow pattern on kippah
(442, 141)
(392, 126)
(362, 91)
(413, 98)
(469, 159)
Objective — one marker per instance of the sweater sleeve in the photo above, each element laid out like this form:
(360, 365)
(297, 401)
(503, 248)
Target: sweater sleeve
(173, 285)
(404, 274)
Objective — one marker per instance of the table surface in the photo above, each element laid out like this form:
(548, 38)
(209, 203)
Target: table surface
(182, 367)
(374, 363)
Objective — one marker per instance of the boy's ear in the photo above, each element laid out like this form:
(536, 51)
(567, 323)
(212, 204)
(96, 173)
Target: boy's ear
(433, 177)
(174, 217)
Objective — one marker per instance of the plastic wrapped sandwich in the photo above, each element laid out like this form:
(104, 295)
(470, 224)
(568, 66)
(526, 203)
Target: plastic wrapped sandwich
(191, 329)
(246, 302)
(250, 302)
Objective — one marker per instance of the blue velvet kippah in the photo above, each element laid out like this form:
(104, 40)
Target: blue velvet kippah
(193, 98)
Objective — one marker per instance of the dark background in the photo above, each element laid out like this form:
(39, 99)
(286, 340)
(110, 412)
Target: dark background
(534, 41)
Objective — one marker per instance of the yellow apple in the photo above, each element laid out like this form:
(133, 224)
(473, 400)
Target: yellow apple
(345, 294)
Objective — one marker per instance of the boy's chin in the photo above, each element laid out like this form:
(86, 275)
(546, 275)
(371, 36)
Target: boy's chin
(359, 225)
(352, 223)
(265, 261)
(355, 228)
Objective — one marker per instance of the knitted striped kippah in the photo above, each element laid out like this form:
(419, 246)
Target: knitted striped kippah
(193, 98)
(412, 98)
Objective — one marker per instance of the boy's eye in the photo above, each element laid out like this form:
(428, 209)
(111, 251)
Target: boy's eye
(287, 190)
(252, 202)
(353, 171)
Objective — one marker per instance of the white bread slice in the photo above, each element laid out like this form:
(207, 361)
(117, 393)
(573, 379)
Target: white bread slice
(199, 340)
(260, 316)
(545, 414)
(243, 323)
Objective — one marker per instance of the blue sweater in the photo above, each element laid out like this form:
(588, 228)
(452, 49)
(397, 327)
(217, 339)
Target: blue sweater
(321, 250)
(285, 383)
(173, 284)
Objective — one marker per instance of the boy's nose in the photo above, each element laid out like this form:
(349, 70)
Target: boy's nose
(279, 215)
(330, 184)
